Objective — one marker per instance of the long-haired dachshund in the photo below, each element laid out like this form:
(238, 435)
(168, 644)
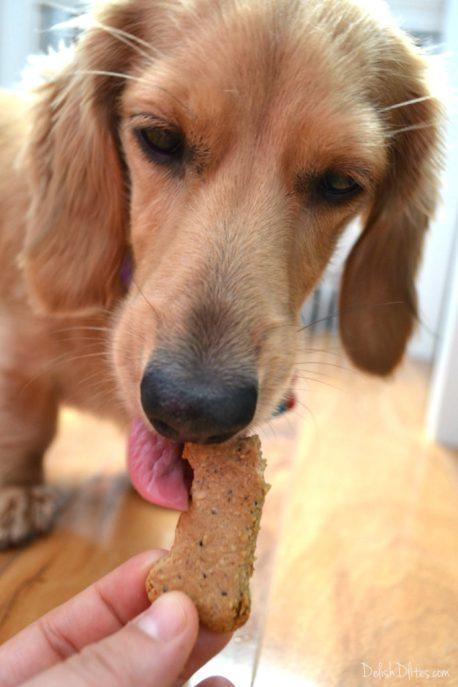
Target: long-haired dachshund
(170, 193)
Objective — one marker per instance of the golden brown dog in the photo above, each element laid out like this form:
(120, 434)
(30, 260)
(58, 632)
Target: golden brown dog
(214, 150)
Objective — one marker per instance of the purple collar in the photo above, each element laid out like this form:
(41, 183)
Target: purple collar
(126, 272)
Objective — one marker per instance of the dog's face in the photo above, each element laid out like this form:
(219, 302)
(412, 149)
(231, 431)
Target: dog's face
(243, 170)
(227, 158)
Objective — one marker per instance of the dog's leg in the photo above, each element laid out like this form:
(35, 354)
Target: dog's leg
(28, 412)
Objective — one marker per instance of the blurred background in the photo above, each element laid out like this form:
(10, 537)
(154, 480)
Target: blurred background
(357, 560)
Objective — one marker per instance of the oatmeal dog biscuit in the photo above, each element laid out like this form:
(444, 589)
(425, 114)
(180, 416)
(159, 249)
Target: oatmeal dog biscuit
(213, 553)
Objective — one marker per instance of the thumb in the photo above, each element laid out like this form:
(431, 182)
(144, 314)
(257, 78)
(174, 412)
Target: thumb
(150, 650)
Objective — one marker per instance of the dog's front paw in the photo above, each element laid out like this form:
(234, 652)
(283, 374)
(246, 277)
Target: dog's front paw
(25, 512)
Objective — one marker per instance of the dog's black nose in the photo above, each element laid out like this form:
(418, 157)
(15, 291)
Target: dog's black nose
(196, 407)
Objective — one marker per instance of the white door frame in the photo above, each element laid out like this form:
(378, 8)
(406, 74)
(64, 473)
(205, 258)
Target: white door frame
(443, 403)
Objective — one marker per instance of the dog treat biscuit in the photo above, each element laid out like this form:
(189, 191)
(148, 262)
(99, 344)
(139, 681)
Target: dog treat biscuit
(213, 553)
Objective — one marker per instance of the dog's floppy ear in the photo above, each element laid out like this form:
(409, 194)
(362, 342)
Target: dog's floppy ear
(378, 304)
(75, 237)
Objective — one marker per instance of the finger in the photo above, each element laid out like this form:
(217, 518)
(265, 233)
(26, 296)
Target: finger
(150, 650)
(208, 645)
(99, 610)
(215, 682)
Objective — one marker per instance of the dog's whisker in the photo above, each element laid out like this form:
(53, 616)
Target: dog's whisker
(147, 301)
(83, 328)
(335, 362)
(326, 363)
(94, 391)
(94, 375)
(58, 6)
(89, 344)
(302, 374)
(63, 359)
(407, 103)
(60, 360)
(128, 39)
(290, 423)
(335, 351)
(98, 389)
(280, 325)
(179, 102)
(307, 409)
(103, 344)
(349, 310)
(271, 428)
(138, 79)
(117, 75)
(115, 403)
(98, 392)
(323, 362)
(413, 127)
(126, 34)
(76, 337)
(319, 321)
(318, 381)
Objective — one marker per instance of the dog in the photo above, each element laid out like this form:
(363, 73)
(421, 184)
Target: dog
(172, 190)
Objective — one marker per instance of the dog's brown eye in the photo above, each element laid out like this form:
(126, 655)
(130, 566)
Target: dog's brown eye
(162, 145)
(336, 187)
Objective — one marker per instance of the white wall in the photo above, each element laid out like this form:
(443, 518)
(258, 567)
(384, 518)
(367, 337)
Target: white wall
(421, 16)
(435, 274)
(434, 16)
(18, 38)
(443, 407)
(21, 32)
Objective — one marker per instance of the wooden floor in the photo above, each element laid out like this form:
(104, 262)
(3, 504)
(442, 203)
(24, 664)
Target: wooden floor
(358, 553)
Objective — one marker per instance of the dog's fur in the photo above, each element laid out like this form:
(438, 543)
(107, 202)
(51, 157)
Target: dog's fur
(270, 93)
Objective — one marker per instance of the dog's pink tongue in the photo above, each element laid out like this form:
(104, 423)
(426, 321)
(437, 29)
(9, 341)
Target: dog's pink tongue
(156, 468)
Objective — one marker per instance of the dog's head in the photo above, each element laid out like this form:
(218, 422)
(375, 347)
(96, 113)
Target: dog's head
(224, 146)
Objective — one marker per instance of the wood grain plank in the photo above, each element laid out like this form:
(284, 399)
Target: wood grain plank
(358, 551)
(367, 569)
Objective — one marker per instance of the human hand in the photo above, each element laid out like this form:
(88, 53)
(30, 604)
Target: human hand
(104, 637)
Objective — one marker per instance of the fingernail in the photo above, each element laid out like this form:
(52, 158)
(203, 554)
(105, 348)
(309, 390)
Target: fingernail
(165, 620)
